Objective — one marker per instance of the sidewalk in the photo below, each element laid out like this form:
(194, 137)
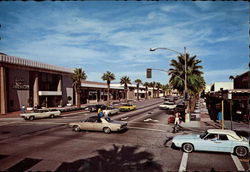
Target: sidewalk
(204, 122)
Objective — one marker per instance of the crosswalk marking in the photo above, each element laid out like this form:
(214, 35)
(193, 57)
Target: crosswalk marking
(149, 129)
(183, 164)
(237, 163)
(9, 161)
(46, 165)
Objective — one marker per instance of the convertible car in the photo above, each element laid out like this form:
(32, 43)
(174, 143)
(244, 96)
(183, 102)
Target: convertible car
(41, 113)
(215, 140)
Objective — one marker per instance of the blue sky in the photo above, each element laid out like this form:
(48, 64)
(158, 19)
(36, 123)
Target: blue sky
(116, 36)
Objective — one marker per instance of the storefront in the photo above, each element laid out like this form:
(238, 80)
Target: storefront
(30, 83)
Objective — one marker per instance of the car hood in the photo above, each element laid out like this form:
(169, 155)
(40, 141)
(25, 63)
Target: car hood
(187, 136)
(118, 122)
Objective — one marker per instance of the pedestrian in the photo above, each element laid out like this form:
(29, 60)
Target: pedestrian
(100, 114)
(177, 119)
(23, 109)
(220, 117)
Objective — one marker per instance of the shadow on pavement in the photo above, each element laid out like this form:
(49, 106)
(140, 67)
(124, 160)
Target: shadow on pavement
(118, 159)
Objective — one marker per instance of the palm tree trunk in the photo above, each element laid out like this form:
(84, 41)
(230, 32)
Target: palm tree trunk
(138, 93)
(108, 94)
(78, 103)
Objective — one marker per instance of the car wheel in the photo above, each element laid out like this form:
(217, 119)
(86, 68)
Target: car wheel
(31, 118)
(107, 130)
(76, 128)
(187, 147)
(241, 151)
(52, 116)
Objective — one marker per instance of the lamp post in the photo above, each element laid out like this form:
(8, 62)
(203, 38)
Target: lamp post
(185, 59)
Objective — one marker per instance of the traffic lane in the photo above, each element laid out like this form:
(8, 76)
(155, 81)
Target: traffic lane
(208, 161)
(24, 128)
(155, 120)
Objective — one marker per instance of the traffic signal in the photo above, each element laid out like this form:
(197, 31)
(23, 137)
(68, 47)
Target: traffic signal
(149, 73)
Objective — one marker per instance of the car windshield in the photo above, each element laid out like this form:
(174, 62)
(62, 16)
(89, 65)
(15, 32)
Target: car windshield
(169, 103)
(203, 135)
(108, 119)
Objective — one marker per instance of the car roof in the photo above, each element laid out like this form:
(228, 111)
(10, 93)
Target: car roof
(228, 132)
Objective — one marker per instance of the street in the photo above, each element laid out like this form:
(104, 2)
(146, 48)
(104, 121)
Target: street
(50, 145)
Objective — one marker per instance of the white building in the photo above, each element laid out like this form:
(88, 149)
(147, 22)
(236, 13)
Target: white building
(217, 86)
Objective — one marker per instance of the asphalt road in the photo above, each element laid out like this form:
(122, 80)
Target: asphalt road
(50, 145)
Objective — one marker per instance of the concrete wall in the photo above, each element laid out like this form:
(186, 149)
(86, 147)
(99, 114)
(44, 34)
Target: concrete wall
(18, 88)
(67, 89)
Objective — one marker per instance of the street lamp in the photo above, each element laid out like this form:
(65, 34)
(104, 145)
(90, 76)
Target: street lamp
(185, 59)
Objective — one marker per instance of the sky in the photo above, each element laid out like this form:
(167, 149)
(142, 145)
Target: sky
(116, 36)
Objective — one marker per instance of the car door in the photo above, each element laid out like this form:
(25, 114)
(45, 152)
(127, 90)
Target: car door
(207, 143)
(97, 125)
(223, 144)
(87, 124)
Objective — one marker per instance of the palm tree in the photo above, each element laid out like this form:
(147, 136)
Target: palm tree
(77, 77)
(125, 80)
(231, 77)
(158, 86)
(108, 76)
(195, 80)
(152, 84)
(194, 74)
(138, 82)
(146, 84)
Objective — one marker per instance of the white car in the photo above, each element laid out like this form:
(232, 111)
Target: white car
(43, 113)
(94, 123)
(168, 105)
(216, 140)
(111, 111)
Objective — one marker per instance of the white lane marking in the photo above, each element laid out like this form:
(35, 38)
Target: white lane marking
(183, 164)
(237, 163)
(147, 123)
(149, 129)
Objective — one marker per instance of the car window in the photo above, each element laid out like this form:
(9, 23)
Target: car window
(223, 137)
(203, 135)
(91, 120)
(211, 136)
(98, 120)
(108, 119)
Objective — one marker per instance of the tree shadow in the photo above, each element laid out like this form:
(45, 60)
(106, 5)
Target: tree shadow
(117, 159)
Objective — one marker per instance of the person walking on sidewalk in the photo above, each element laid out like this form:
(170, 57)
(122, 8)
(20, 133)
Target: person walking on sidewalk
(220, 117)
(177, 122)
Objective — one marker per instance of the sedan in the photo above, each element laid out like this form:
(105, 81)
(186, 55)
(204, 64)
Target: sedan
(215, 140)
(94, 123)
(127, 107)
(44, 113)
(167, 105)
(110, 111)
(94, 108)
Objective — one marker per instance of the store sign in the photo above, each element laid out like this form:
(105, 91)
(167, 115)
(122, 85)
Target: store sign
(19, 84)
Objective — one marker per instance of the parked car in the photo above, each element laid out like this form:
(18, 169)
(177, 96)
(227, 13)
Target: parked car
(110, 110)
(167, 105)
(41, 113)
(94, 108)
(215, 140)
(94, 123)
(127, 107)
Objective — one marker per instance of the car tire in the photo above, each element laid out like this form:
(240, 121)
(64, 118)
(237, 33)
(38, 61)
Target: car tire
(52, 116)
(241, 151)
(107, 130)
(31, 118)
(187, 147)
(76, 128)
